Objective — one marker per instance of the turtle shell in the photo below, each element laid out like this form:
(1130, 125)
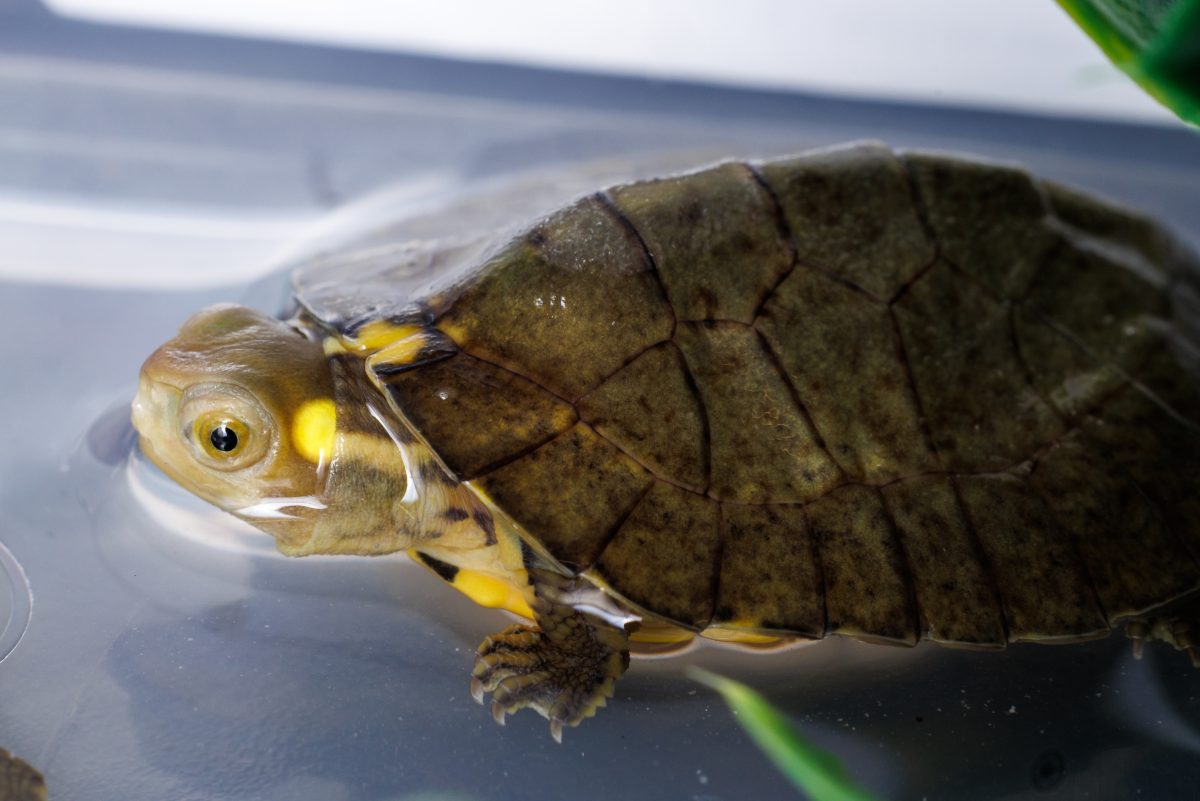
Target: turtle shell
(890, 396)
(20, 781)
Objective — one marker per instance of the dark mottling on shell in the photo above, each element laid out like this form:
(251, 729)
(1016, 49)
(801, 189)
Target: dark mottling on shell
(768, 570)
(904, 365)
(951, 326)
(570, 493)
(665, 552)
(649, 409)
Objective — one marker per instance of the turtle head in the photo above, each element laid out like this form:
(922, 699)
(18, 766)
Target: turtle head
(238, 408)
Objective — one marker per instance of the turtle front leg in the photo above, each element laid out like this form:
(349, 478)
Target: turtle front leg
(565, 667)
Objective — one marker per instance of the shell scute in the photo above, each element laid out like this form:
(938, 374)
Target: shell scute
(868, 590)
(1155, 442)
(1132, 557)
(663, 555)
(650, 410)
(1126, 234)
(477, 413)
(1071, 379)
(1108, 307)
(565, 305)
(570, 494)
(770, 578)
(1045, 587)
(955, 592)
(965, 364)
(714, 237)
(828, 336)
(990, 220)
(764, 448)
(850, 211)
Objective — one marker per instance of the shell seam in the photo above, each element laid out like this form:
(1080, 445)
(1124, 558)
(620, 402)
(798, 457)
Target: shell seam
(918, 619)
(985, 560)
(1073, 538)
(610, 536)
(786, 232)
(694, 388)
(818, 439)
(608, 203)
(922, 215)
(969, 525)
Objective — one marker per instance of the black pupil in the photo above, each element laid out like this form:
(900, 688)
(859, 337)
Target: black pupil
(223, 438)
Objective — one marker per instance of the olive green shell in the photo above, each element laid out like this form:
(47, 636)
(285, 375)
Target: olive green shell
(890, 396)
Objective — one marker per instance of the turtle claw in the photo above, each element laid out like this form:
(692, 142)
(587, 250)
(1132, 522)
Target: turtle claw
(498, 712)
(477, 690)
(1178, 629)
(1137, 630)
(556, 726)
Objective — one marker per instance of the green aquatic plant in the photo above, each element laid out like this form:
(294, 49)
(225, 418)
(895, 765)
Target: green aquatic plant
(1154, 42)
(813, 771)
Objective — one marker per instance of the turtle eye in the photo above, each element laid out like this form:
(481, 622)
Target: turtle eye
(222, 438)
(226, 428)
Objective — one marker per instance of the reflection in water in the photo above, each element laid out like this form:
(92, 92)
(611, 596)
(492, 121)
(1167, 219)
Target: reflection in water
(180, 513)
(111, 438)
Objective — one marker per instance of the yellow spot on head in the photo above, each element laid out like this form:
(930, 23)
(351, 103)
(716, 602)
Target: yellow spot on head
(314, 428)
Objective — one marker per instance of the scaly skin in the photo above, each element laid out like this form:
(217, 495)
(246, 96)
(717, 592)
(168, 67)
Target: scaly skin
(564, 668)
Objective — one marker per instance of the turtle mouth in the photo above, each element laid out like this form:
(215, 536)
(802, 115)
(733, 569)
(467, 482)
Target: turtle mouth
(155, 417)
(153, 406)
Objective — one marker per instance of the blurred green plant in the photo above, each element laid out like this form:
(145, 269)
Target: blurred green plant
(1154, 42)
(813, 771)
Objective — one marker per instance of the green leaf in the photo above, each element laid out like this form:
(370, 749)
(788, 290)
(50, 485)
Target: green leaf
(813, 771)
(1154, 42)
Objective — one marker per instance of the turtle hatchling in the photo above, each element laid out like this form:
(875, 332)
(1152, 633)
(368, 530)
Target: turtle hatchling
(891, 396)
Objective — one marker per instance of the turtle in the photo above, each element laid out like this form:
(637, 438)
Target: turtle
(889, 395)
(19, 781)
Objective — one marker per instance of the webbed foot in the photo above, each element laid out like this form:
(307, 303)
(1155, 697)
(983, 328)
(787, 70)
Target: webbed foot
(565, 669)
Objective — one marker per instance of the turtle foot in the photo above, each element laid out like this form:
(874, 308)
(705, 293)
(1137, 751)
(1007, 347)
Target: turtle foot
(1181, 630)
(565, 673)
